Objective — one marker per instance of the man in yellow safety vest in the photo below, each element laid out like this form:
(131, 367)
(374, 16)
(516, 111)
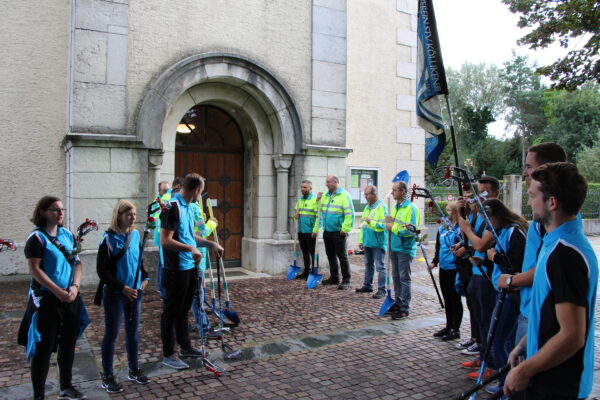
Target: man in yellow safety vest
(337, 219)
(403, 246)
(306, 215)
(373, 240)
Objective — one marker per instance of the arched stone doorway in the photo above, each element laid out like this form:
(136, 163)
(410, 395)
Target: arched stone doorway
(214, 148)
(272, 141)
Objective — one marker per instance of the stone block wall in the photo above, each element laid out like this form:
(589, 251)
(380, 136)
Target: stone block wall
(329, 72)
(99, 75)
(99, 176)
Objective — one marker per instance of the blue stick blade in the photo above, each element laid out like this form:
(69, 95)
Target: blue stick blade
(403, 176)
(292, 272)
(387, 304)
(313, 279)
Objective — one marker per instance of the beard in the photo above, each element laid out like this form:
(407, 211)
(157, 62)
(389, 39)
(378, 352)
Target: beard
(543, 218)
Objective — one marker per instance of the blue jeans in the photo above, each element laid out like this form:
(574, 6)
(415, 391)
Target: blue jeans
(198, 309)
(522, 323)
(116, 305)
(374, 258)
(401, 276)
(504, 338)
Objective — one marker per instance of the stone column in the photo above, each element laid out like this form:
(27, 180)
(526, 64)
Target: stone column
(513, 193)
(155, 160)
(283, 162)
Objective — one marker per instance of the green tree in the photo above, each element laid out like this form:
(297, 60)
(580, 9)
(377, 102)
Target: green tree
(563, 21)
(588, 162)
(524, 100)
(477, 99)
(573, 118)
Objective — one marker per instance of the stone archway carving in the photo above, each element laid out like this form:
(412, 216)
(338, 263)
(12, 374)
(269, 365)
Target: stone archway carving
(256, 80)
(245, 76)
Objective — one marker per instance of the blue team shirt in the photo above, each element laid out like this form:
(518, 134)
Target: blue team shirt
(505, 235)
(567, 271)
(479, 224)
(447, 238)
(179, 217)
(54, 263)
(127, 265)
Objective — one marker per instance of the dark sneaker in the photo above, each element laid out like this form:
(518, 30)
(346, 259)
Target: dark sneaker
(441, 332)
(364, 290)
(110, 384)
(344, 286)
(330, 282)
(174, 362)
(302, 276)
(472, 350)
(463, 344)
(393, 309)
(451, 335)
(191, 352)
(400, 315)
(138, 376)
(71, 394)
(379, 295)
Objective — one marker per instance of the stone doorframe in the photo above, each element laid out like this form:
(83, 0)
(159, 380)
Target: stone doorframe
(253, 95)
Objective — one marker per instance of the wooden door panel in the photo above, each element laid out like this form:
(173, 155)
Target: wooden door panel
(234, 165)
(234, 194)
(214, 190)
(215, 166)
(215, 150)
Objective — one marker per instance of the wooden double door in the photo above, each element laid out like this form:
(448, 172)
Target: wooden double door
(214, 149)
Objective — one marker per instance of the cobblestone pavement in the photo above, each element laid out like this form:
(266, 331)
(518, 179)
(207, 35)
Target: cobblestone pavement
(297, 344)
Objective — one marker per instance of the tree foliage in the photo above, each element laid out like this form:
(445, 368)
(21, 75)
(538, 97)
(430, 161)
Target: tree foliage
(563, 21)
(573, 118)
(524, 98)
(481, 94)
(588, 163)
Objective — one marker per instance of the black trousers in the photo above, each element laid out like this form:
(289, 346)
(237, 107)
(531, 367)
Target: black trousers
(483, 297)
(176, 305)
(335, 247)
(58, 324)
(307, 245)
(452, 301)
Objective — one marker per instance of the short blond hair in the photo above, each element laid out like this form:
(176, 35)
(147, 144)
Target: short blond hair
(121, 208)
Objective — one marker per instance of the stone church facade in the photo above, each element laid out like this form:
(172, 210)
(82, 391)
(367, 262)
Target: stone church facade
(275, 92)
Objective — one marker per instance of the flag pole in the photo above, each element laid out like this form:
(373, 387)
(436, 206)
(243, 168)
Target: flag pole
(453, 137)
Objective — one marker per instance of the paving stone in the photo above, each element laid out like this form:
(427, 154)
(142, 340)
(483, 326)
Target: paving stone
(349, 356)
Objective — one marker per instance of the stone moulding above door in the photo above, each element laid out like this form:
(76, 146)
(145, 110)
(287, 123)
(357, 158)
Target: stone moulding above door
(235, 70)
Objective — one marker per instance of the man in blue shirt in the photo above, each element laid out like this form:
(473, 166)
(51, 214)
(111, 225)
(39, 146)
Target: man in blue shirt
(180, 258)
(536, 156)
(560, 332)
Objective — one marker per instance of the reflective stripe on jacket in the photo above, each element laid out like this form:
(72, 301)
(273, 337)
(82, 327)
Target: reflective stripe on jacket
(374, 234)
(403, 240)
(337, 212)
(307, 208)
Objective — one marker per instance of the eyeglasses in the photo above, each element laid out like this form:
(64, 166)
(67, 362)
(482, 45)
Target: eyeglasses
(62, 210)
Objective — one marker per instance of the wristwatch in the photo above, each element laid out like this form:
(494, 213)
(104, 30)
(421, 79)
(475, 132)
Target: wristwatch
(509, 281)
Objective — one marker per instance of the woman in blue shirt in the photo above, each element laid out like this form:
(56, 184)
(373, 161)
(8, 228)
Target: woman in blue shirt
(54, 299)
(511, 230)
(447, 237)
(123, 286)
